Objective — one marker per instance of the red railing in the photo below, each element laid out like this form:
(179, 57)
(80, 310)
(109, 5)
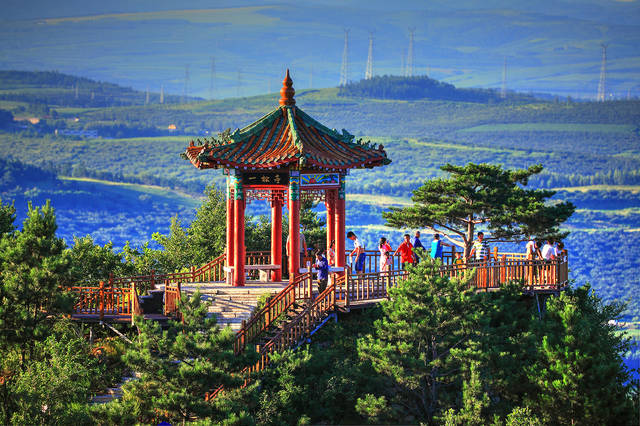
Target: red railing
(106, 300)
(172, 298)
(372, 259)
(362, 287)
(298, 290)
(534, 274)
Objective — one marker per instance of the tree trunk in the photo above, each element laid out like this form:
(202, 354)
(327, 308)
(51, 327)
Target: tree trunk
(469, 240)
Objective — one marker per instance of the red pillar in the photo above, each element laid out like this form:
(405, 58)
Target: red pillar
(230, 225)
(340, 217)
(294, 226)
(276, 234)
(330, 204)
(239, 253)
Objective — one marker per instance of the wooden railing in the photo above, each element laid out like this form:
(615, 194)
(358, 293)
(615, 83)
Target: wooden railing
(172, 298)
(362, 287)
(372, 259)
(534, 274)
(298, 290)
(298, 328)
(104, 300)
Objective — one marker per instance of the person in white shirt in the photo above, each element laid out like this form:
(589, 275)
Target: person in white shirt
(358, 250)
(548, 251)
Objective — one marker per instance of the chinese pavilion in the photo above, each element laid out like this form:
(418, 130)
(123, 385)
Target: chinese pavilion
(285, 156)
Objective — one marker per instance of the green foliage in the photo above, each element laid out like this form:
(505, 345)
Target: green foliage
(453, 356)
(484, 194)
(420, 87)
(320, 382)
(7, 218)
(579, 373)
(53, 388)
(176, 367)
(91, 262)
(33, 269)
(314, 228)
(426, 317)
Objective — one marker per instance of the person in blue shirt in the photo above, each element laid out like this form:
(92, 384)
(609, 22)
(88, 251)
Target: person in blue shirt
(436, 247)
(417, 246)
(322, 265)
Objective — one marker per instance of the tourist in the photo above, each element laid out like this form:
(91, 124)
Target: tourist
(406, 252)
(436, 247)
(533, 250)
(358, 250)
(417, 247)
(331, 253)
(302, 247)
(548, 251)
(457, 258)
(562, 252)
(322, 265)
(480, 248)
(385, 255)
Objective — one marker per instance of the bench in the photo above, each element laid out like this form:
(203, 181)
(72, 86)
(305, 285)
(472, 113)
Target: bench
(264, 271)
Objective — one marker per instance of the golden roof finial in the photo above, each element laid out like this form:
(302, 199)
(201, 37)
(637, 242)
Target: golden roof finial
(287, 92)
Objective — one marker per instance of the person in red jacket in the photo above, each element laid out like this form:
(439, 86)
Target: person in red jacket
(406, 251)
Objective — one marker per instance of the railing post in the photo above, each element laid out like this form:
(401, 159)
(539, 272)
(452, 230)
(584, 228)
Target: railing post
(193, 274)
(111, 279)
(101, 300)
(346, 287)
(153, 281)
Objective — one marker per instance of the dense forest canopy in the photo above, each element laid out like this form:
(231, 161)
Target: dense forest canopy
(420, 88)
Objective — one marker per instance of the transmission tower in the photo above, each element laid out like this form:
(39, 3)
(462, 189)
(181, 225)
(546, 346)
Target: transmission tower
(503, 90)
(76, 90)
(213, 77)
(368, 75)
(409, 70)
(602, 84)
(185, 92)
(162, 93)
(146, 98)
(344, 70)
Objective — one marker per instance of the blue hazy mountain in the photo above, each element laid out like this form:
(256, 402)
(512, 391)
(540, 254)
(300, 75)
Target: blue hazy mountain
(549, 46)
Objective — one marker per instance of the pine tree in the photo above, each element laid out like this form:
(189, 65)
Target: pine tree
(483, 194)
(176, 367)
(426, 317)
(34, 270)
(7, 218)
(579, 373)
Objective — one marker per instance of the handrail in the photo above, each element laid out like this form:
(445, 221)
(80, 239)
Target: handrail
(298, 327)
(372, 259)
(298, 289)
(534, 274)
(172, 298)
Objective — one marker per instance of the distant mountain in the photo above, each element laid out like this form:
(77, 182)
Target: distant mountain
(53, 88)
(422, 88)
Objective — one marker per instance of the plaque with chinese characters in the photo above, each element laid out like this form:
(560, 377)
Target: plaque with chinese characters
(265, 179)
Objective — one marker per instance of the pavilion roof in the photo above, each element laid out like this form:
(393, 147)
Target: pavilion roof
(285, 137)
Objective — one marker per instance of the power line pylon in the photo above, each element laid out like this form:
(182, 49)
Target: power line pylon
(503, 90)
(185, 92)
(162, 93)
(146, 98)
(409, 70)
(368, 75)
(344, 70)
(602, 84)
(213, 78)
